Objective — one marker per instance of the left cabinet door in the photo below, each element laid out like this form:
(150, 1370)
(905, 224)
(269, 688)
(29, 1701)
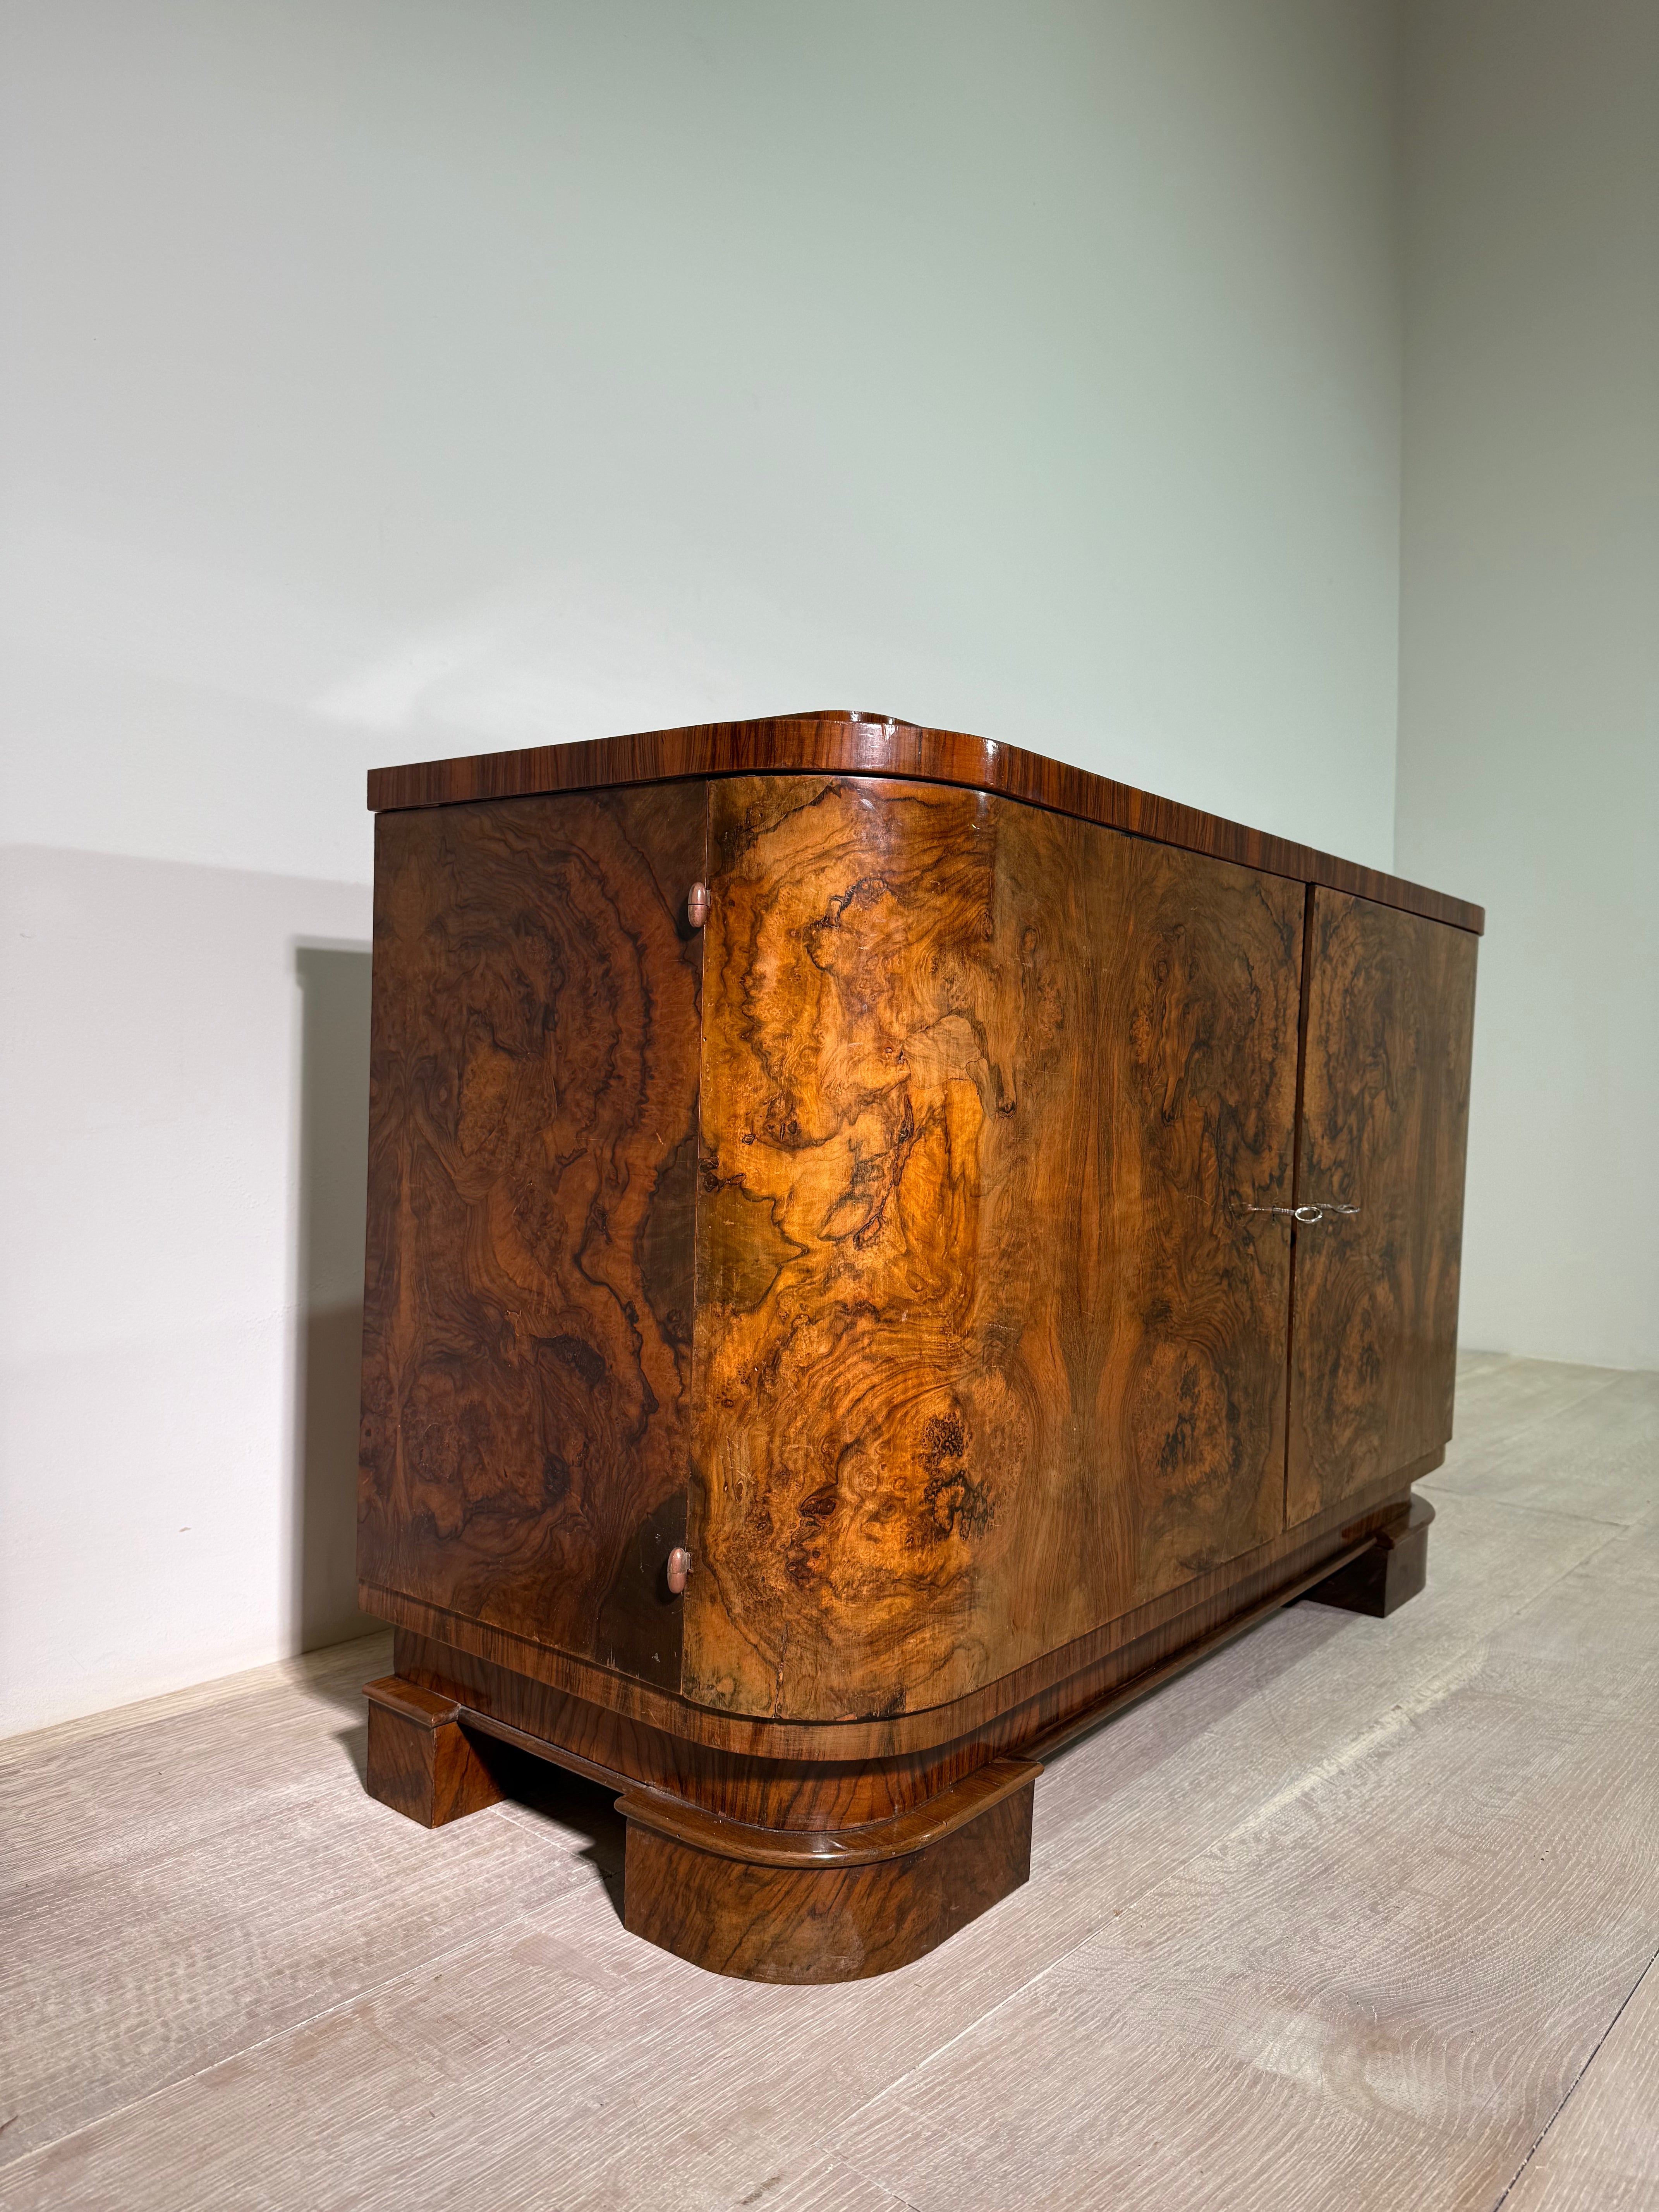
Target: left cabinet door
(1385, 1110)
(532, 1167)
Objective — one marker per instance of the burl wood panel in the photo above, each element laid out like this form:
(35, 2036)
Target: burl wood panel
(990, 1346)
(532, 1155)
(1385, 1116)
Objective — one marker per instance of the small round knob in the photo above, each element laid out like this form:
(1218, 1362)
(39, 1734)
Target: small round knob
(696, 905)
(679, 1559)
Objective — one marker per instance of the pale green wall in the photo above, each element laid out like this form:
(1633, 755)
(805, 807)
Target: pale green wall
(1530, 712)
(405, 377)
(385, 379)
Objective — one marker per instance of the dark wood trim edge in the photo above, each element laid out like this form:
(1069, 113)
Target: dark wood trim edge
(835, 744)
(766, 1736)
(421, 1708)
(1417, 1520)
(913, 1830)
(991, 1759)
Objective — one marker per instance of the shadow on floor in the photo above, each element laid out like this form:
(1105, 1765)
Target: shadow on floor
(354, 1742)
(535, 1788)
(335, 1676)
(539, 1794)
(1185, 1717)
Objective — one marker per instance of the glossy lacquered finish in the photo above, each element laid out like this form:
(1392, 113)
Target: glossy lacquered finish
(794, 1773)
(840, 1917)
(532, 1164)
(1389, 1570)
(838, 1317)
(993, 1103)
(1384, 1126)
(837, 743)
(421, 1760)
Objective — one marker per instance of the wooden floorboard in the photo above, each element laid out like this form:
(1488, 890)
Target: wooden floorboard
(1377, 1988)
(1352, 1915)
(1601, 2154)
(199, 1876)
(1581, 1440)
(827, 2185)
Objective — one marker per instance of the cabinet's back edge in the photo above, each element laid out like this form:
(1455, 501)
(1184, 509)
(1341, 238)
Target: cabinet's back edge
(836, 743)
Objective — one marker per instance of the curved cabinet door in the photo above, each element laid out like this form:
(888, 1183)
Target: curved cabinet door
(1385, 1106)
(531, 1183)
(990, 1345)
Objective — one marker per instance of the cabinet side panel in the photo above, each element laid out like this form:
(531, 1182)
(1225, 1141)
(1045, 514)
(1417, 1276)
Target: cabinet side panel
(1385, 1124)
(990, 1346)
(533, 1165)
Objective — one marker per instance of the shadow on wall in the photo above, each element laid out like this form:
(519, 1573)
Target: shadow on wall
(333, 1171)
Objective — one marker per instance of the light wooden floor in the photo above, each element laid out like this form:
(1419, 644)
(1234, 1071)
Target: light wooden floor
(1357, 1914)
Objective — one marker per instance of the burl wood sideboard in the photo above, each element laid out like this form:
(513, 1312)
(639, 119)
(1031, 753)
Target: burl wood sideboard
(882, 1248)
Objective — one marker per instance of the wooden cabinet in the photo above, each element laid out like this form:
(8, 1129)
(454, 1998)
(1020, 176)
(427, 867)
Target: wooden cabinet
(831, 1336)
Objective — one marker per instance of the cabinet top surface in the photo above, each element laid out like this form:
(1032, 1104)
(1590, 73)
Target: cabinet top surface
(834, 742)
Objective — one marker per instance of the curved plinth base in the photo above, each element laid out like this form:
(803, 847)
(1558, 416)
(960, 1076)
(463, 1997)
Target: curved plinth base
(767, 1906)
(827, 1862)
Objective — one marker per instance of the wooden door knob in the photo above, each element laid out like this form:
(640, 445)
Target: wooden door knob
(679, 1567)
(696, 905)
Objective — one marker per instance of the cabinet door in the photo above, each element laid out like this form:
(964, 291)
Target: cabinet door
(1385, 1103)
(532, 1186)
(991, 1345)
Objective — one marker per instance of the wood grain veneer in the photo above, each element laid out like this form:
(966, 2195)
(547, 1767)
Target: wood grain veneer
(855, 1295)
(533, 1161)
(1384, 1128)
(995, 1108)
(421, 1760)
(843, 1922)
(1190, 1611)
(893, 1836)
(839, 742)
(823, 1786)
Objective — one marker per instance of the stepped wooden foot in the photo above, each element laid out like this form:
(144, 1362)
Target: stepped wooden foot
(421, 1761)
(1394, 1568)
(769, 1906)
